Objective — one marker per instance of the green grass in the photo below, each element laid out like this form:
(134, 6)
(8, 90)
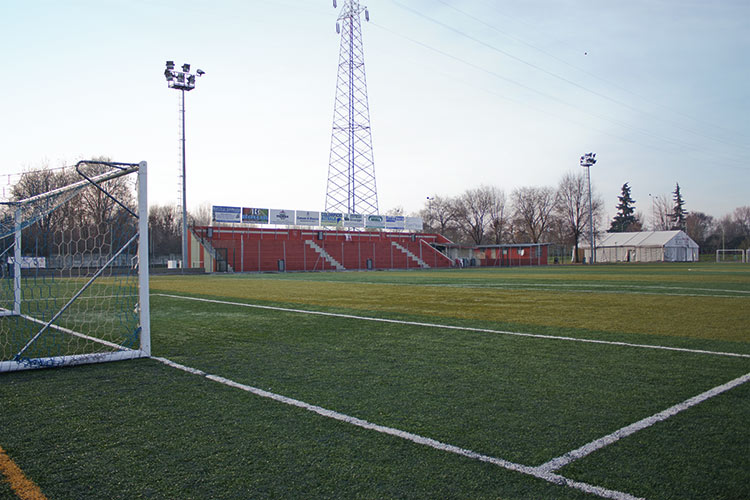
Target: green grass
(143, 430)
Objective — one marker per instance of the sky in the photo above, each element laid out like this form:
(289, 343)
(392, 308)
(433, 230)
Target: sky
(462, 93)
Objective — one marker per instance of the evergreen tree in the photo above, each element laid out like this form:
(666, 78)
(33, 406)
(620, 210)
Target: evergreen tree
(679, 214)
(625, 220)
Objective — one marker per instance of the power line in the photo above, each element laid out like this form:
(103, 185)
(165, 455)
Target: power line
(560, 77)
(608, 82)
(494, 74)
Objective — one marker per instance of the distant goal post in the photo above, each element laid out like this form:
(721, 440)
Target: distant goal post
(74, 269)
(724, 255)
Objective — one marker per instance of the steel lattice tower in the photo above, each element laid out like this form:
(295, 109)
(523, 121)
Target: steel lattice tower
(351, 167)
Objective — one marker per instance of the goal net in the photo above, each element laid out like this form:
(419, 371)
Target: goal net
(74, 267)
(730, 255)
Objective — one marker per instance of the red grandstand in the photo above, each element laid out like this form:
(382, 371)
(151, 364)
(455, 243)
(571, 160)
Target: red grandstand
(240, 249)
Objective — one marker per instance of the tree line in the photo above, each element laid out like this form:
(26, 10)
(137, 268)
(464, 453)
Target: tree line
(487, 215)
(91, 217)
(560, 215)
(86, 218)
(482, 215)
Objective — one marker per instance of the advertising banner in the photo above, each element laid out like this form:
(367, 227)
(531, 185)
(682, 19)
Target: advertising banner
(307, 218)
(30, 262)
(226, 214)
(414, 224)
(285, 217)
(331, 218)
(255, 215)
(375, 221)
(354, 220)
(394, 221)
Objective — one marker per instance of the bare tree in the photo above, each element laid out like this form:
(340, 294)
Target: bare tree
(532, 212)
(202, 216)
(474, 212)
(165, 227)
(572, 208)
(498, 216)
(35, 182)
(699, 227)
(741, 215)
(662, 211)
(103, 211)
(440, 214)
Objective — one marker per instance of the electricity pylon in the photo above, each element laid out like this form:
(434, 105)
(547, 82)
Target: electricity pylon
(351, 168)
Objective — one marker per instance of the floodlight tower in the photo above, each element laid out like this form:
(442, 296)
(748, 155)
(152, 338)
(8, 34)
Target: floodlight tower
(351, 167)
(184, 81)
(587, 161)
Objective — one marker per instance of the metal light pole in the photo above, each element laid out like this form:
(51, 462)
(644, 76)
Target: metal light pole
(587, 161)
(182, 81)
(653, 212)
(429, 209)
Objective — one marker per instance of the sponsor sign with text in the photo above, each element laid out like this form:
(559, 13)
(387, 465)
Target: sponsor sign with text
(285, 217)
(354, 220)
(226, 214)
(307, 218)
(375, 221)
(255, 215)
(331, 218)
(414, 224)
(394, 221)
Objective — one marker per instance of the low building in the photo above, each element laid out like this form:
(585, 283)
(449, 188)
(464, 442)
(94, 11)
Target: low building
(643, 246)
(507, 255)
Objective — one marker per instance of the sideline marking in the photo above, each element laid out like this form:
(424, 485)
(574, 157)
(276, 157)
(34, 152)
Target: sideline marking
(23, 487)
(578, 287)
(452, 327)
(572, 456)
(536, 472)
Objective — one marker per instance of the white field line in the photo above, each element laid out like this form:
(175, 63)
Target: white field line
(578, 287)
(452, 327)
(572, 456)
(536, 472)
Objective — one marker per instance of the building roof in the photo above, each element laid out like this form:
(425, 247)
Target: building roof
(644, 239)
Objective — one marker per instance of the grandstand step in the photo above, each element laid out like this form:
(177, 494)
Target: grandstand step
(326, 256)
(412, 256)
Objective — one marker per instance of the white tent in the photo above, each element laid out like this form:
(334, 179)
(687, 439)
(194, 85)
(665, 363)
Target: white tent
(645, 246)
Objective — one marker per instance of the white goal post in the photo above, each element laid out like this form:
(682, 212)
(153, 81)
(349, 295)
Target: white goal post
(731, 255)
(74, 268)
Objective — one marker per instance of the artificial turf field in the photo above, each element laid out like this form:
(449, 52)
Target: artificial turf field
(408, 385)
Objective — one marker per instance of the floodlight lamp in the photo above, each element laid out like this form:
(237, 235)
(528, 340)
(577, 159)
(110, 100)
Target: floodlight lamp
(186, 68)
(168, 75)
(201, 72)
(191, 80)
(170, 65)
(588, 160)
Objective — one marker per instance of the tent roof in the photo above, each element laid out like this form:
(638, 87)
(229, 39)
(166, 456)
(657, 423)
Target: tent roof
(644, 239)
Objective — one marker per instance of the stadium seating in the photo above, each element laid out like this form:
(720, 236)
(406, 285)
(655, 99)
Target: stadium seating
(263, 250)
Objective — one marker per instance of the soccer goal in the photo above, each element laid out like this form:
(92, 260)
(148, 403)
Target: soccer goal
(74, 268)
(730, 255)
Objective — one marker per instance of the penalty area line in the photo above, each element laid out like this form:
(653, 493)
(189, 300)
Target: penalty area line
(572, 456)
(453, 327)
(536, 472)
